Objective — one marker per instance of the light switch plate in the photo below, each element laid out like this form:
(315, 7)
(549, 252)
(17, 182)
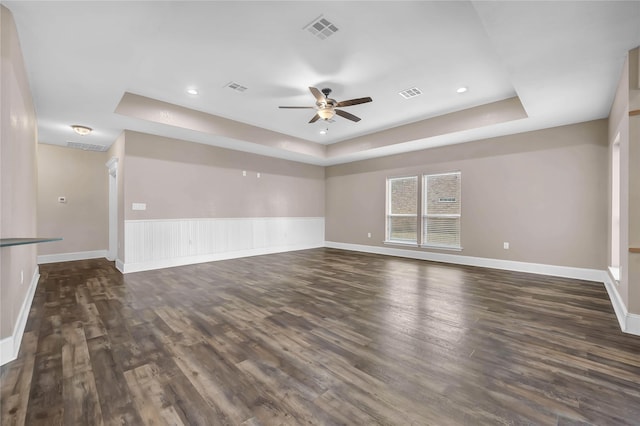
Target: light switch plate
(138, 206)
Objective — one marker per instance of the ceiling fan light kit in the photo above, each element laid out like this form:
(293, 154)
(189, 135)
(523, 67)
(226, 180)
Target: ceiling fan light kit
(326, 113)
(326, 107)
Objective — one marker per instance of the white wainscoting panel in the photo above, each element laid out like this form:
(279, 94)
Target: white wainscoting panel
(153, 244)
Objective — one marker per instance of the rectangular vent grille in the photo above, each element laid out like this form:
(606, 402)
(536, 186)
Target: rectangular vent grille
(410, 93)
(235, 86)
(321, 28)
(87, 146)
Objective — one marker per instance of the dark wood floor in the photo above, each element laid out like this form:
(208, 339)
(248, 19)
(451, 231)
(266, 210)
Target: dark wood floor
(319, 337)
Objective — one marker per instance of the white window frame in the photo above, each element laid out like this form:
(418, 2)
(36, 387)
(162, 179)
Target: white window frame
(389, 215)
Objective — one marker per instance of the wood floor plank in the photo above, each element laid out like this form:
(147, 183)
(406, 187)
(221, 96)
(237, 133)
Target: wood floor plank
(320, 336)
(114, 395)
(229, 407)
(81, 405)
(148, 396)
(16, 382)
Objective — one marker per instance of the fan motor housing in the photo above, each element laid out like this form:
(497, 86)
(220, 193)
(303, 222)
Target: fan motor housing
(327, 103)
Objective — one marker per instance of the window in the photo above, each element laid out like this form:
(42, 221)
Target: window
(441, 210)
(431, 221)
(402, 209)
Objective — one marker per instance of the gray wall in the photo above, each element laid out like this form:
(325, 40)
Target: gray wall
(18, 177)
(80, 176)
(179, 179)
(543, 192)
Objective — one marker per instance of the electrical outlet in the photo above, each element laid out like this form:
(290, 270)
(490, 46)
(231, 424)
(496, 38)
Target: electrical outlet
(244, 173)
(368, 234)
(505, 245)
(258, 175)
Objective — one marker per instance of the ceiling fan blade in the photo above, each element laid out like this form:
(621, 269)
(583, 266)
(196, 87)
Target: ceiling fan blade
(296, 107)
(354, 102)
(317, 94)
(347, 115)
(314, 119)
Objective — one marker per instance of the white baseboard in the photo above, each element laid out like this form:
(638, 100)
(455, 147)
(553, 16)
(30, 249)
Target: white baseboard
(509, 265)
(10, 346)
(633, 324)
(67, 257)
(629, 323)
(213, 257)
(120, 265)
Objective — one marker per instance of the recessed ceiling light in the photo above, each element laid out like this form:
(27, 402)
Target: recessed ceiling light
(324, 131)
(462, 89)
(192, 91)
(81, 130)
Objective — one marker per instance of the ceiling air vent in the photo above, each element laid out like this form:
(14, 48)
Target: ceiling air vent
(410, 93)
(235, 86)
(87, 146)
(321, 28)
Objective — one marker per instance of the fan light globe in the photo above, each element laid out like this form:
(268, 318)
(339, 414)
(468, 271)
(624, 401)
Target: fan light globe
(81, 130)
(326, 113)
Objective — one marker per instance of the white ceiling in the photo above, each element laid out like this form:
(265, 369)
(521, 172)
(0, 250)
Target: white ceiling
(561, 59)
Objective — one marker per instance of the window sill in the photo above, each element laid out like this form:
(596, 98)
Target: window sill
(400, 243)
(441, 248)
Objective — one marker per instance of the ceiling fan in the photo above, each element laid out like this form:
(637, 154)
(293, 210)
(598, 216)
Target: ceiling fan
(326, 107)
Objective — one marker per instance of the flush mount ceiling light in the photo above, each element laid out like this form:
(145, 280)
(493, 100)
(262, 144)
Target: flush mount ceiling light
(192, 91)
(81, 130)
(462, 89)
